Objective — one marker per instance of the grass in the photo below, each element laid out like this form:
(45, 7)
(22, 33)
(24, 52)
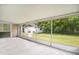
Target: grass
(59, 38)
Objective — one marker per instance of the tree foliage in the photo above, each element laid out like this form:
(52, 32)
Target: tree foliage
(66, 25)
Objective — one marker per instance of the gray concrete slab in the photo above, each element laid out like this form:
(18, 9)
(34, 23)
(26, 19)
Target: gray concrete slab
(63, 47)
(18, 46)
(70, 48)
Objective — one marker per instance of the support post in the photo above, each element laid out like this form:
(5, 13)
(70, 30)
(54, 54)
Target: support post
(11, 30)
(51, 34)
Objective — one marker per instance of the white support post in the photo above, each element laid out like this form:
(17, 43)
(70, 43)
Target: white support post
(18, 30)
(51, 34)
(11, 30)
(21, 30)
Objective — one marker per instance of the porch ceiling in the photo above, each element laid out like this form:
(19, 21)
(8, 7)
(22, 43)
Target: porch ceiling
(24, 13)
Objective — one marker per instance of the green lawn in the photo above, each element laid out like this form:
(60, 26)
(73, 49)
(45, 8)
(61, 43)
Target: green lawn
(58, 38)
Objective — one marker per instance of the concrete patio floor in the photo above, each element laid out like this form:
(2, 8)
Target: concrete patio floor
(18, 46)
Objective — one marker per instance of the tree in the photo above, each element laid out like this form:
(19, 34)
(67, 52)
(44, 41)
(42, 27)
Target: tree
(67, 25)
